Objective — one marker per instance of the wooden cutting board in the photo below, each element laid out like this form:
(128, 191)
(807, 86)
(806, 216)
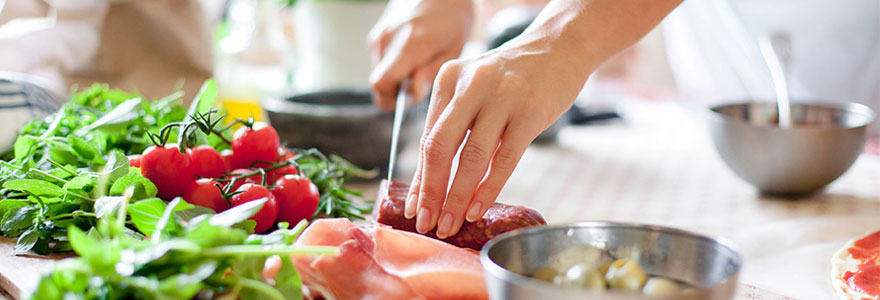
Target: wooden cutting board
(20, 274)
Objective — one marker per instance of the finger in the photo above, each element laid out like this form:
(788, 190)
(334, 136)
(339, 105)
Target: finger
(378, 40)
(472, 165)
(444, 87)
(440, 146)
(424, 76)
(514, 142)
(402, 55)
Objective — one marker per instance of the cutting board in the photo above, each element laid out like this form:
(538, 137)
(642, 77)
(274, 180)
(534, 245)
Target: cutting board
(19, 274)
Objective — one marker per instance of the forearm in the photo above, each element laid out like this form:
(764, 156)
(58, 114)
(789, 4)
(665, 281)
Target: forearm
(586, 33)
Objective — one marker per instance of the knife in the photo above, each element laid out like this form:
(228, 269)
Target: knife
(403, 97)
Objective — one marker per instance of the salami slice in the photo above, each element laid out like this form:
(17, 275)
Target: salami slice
(500, 218)
(855, 269)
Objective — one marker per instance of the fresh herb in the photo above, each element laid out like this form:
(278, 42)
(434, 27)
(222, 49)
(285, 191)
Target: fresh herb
(203, 257)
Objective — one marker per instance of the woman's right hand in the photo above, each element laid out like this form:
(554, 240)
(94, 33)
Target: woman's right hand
(415, 38)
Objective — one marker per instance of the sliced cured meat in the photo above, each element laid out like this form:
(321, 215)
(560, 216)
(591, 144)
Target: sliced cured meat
(855, 269)
(500, 218)
(378, 262)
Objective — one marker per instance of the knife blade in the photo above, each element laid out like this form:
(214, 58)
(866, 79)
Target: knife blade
(403, 97)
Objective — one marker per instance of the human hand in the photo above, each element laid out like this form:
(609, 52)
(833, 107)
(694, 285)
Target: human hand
(414, 38)
(494, 105)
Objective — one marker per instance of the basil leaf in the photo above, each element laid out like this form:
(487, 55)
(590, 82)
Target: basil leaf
(24, 147)
(15, 221)
(80, 183)
(82, 243)
(143, 187)
(287, 280)
(34, 186)
(26, 242)
(237, 214)
(82, 148)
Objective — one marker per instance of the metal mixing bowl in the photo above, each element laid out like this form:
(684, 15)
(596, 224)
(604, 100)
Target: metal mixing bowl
(343, 122)
(823, 144)
(709, 265)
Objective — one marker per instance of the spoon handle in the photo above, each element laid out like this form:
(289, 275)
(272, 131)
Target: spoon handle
(777, 53)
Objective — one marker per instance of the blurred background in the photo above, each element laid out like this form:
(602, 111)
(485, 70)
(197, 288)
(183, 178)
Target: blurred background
(703, 53)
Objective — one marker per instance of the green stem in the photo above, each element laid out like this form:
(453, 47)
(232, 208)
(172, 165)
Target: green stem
(62, 167)
(261, 287)
(267, 250)
(73, 214)
(8, 165)
(47, 175)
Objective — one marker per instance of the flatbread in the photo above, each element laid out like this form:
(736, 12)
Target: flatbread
(855, 269)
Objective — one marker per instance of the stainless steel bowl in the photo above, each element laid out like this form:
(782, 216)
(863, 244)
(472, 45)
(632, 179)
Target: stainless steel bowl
(823, 144)
(343, 122)
(710, 265)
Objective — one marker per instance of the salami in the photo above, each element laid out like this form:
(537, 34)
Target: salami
(500, 218)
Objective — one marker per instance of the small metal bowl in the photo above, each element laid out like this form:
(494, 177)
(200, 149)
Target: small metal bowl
(711, 266)
(343, 122)
(824, 142)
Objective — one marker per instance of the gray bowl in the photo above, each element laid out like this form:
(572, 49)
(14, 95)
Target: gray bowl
(711, 266)
(789, 161)
(343, 122)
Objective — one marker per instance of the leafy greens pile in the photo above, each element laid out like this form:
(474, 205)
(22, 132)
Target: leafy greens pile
(204, 257)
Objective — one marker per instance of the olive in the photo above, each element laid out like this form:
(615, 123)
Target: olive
(626, 275)
(660, 288)
(584, 276)
(545, 274)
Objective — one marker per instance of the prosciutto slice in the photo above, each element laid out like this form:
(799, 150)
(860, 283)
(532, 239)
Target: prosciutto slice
(378, 262)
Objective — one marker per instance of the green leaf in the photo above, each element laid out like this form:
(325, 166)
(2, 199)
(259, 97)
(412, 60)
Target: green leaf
(79, 183)
(237, 214)
(146, 213)
(107, 205)
(82, 148)
(287, 280)
(16, 220)
(26, 242)
(204, 101)
(34, 186)
(24, 147)
(122, 113)
(63, 155)
(143, 187)
(81, 242)
(188, 214)
(175, 204)
(117, 166)
(11, 205)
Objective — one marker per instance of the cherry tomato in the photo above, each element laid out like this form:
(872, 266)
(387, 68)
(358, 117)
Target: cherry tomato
(259, 143)
(258, 179)
(134, 160)
(276, 174)
(168, 169)
(297, 198)
(284, 154)
(206, 162)
(227, 159)
(203, 192)
(267, 215)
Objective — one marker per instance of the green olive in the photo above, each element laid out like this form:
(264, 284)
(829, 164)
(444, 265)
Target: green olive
(660, 288)
(626, 275)
(545, 274)
(584, 276)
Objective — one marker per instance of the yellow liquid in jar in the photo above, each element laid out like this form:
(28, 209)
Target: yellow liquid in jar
(242, 109)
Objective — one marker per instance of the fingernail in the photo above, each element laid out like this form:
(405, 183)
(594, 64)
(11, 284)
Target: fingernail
(474, 213)
(444, 226)
(409, 210)
(423, 221)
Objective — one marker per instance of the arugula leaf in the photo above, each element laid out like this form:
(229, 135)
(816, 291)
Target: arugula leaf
(143, 187)
(204, 100)
(80, 183)
(117, 166)
(19, 219)
(287, 280)
(107, 205)
(147, 213)
(82, 148)
(123, 112)
(237, 214)
(80, 241)
(35, 187)
(24, 147)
